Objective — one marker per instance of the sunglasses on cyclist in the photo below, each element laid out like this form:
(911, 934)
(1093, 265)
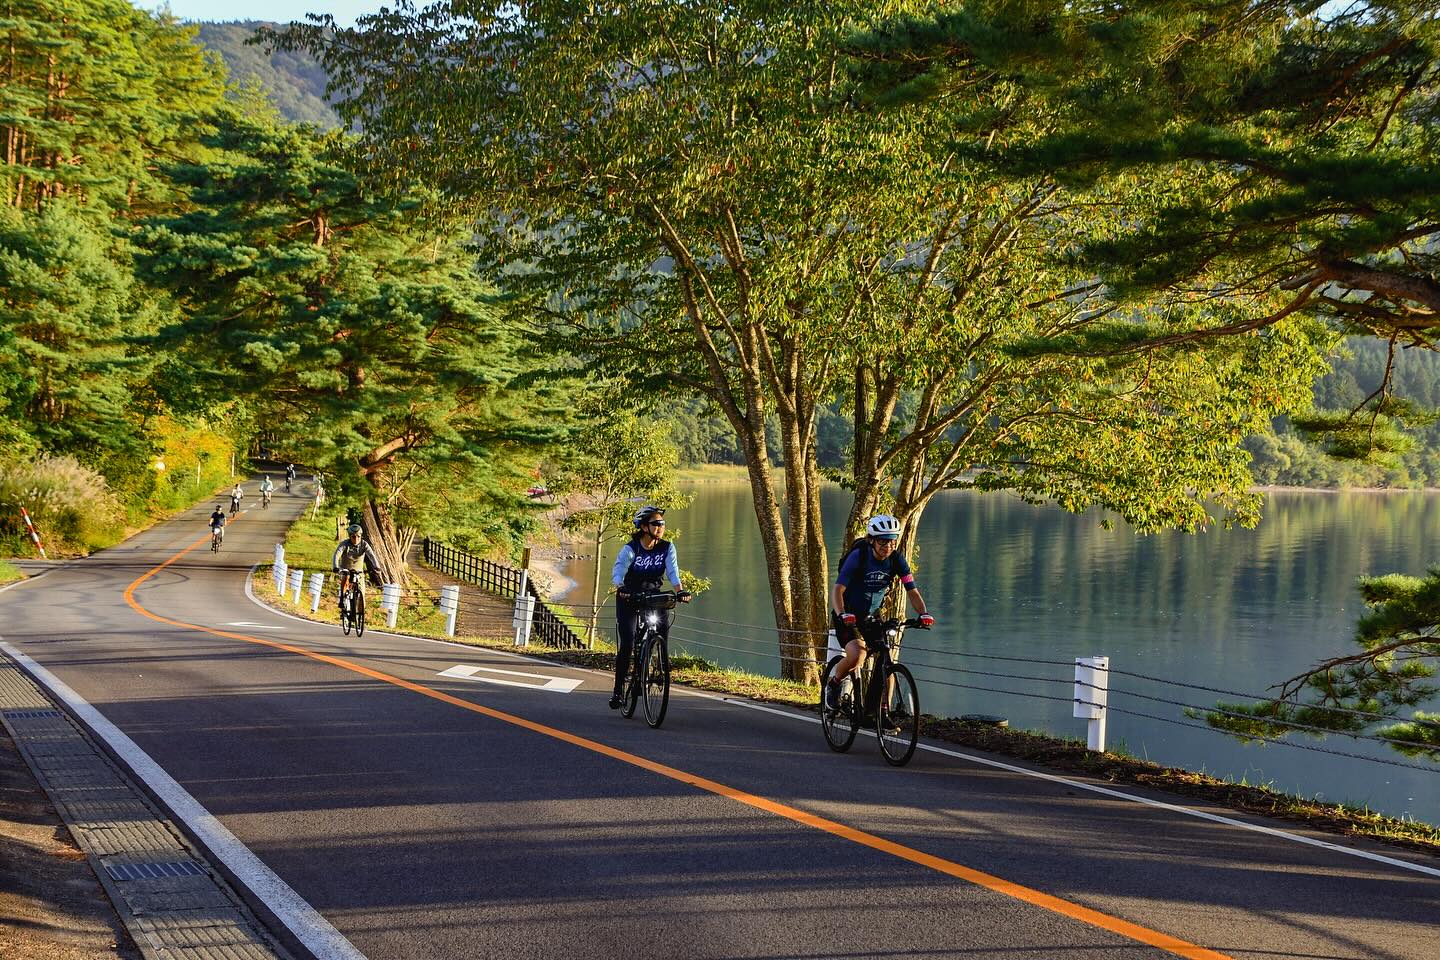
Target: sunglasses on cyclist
(654, 523)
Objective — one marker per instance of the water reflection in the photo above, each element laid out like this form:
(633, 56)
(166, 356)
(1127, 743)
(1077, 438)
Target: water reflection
(1229, 609)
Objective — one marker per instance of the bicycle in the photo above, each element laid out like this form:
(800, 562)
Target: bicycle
(352, 613)
(649, 677)
(216, 538)
(234, 506)
(897, 719)
(265, 499)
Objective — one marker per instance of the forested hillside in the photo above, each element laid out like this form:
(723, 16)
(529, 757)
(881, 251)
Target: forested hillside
(293, 81)
(180, 275)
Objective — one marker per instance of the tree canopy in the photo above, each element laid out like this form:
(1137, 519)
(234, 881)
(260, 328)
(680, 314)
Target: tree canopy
(703, 185)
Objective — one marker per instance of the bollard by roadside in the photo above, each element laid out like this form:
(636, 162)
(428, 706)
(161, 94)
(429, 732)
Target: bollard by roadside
(450, 604)
(523, 618)
(297, 577)
(832, 645)
(317, 586)
(1092, 688)
(279, 554)
(34, 534)
(390, 602)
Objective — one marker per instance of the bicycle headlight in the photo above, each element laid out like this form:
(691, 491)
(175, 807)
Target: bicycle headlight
(652, 618)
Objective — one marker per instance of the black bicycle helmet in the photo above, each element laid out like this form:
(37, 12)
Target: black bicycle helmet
(647, 513)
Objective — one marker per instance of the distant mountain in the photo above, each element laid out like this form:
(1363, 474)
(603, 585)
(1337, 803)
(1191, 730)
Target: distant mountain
(294, 81)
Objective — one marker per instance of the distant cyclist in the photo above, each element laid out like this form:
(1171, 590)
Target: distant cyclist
(639, 568)
(267, 489)
(217, 523)
(351, 558)
(866, 573)
(289, 476)
(236, 496)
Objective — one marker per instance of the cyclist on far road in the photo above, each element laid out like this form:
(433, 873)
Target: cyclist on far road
(267, 488)
(350, 560)
(866, 573)
(289, 476)
(217, 523)
(236, 496)
(639, 568)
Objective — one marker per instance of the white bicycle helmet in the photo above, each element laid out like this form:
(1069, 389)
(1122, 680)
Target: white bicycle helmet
(883, 527)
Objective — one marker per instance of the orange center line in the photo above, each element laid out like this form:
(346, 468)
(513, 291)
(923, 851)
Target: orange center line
(1074, 911)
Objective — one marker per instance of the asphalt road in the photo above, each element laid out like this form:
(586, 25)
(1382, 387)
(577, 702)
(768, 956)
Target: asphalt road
(427, 816)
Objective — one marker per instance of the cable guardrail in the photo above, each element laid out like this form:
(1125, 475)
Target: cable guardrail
(687, 635)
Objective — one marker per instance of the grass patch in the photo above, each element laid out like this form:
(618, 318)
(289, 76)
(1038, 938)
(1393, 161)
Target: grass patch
(9, 573)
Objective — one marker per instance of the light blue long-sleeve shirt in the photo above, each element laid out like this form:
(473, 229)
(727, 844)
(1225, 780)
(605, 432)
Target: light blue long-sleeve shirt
(646, 563)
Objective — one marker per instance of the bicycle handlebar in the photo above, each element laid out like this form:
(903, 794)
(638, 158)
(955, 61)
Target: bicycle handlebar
(662, 599)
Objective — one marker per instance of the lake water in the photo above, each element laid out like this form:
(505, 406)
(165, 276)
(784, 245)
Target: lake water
(1231, 609)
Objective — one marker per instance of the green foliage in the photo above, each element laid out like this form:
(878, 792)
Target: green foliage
(1361, 693)
(293, 82)
(372, 349)
(1310, 127)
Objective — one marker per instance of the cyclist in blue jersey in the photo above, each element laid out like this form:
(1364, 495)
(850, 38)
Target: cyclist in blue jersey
(641, 567)
(866, 574)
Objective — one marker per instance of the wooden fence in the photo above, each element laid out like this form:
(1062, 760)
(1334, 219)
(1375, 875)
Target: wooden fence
(502, 581)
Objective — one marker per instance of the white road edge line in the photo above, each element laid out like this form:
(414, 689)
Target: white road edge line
(982, 761)
(301, 919)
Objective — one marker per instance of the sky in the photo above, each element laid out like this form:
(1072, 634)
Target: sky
(282, 11)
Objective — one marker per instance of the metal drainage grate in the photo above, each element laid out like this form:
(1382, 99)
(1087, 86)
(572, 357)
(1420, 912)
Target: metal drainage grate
(153, 871)
(31, 714)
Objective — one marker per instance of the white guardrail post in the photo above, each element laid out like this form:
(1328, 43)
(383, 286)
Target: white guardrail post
(279, 554)
(832, 645)
(390, 602)
(297, 579)
(317, 587)
(279, 571)
(1092, 688)
(523, 619)
(450, 603)
(524, 612)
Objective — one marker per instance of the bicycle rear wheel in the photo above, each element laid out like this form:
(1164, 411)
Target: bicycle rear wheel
(358, 614)
(632, 683)
(842, 721)
(655, 676)
(897, 722)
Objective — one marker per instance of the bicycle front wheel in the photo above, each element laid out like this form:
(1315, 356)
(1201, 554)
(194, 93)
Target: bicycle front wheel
(897, 722)
(655, 674)
(840, 720)
(359, 614)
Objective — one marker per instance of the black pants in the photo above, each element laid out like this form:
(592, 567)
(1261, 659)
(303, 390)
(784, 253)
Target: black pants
(627, 623)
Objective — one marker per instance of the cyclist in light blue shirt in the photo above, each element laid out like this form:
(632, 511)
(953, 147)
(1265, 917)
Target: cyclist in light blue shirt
(641, 567)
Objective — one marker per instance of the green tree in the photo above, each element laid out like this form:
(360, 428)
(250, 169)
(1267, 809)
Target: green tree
(618, 462)
(1360, 693)
(701, 184)
(93, 94)
(369, 344)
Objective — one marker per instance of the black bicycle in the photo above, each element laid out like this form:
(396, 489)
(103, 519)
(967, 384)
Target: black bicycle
(650, 660)
(352, 605)
(889, 700)
(216, 538)
(265, 499)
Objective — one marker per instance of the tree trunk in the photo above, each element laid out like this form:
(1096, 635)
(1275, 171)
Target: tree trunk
(380, 531)
(595, 587)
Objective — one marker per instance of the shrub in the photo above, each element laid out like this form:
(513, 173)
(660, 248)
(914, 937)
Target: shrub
(70, 503)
